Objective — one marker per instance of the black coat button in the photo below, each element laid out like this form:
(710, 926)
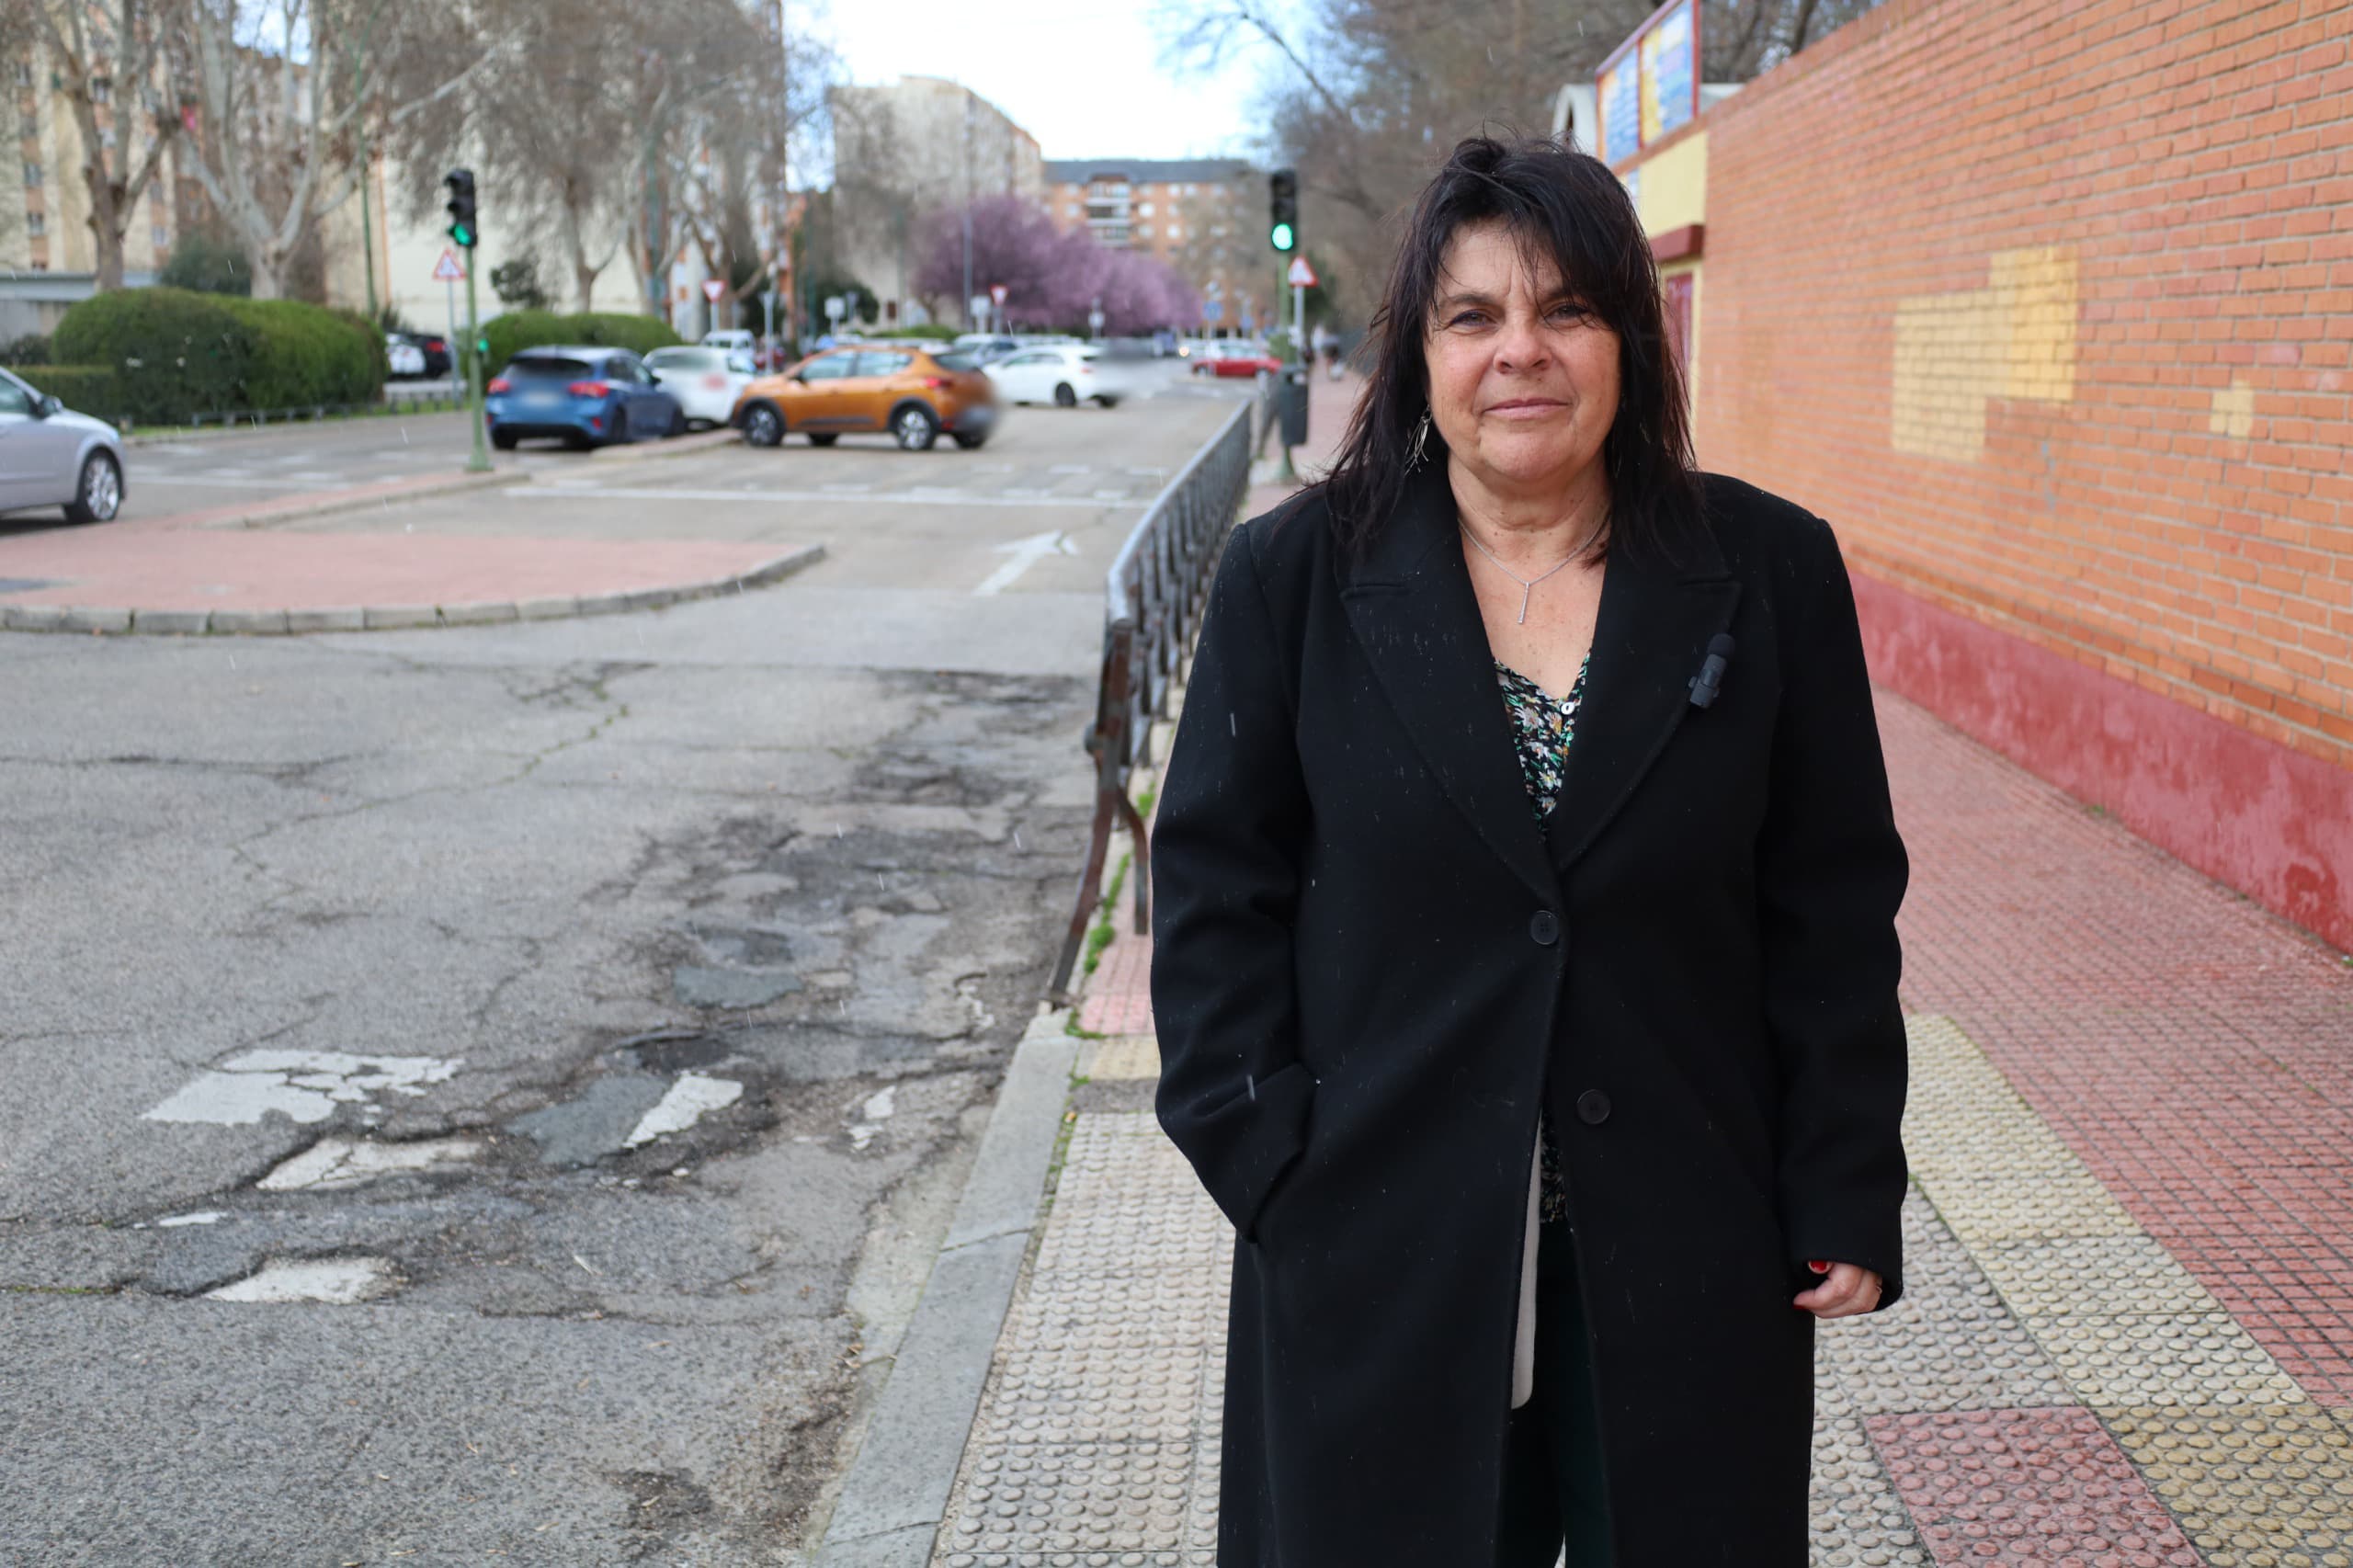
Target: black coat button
(1593, 1107)
(1545, 928)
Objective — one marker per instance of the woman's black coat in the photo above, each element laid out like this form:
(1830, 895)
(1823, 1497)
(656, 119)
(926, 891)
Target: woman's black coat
(1371, 966)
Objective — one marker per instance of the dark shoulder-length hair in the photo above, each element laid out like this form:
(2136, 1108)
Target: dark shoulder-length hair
(1566, 207)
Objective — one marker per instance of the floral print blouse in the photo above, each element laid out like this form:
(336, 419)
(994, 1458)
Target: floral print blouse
(1542, 726)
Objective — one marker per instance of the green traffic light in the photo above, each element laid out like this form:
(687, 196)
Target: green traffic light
(1284, 237)
(463, 234)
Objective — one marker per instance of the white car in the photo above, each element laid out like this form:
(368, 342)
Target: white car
(50, 456)
(404, 356)
(1064, 374)
(706, 382)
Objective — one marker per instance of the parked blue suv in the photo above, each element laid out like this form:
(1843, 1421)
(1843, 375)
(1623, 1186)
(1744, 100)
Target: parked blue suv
(584, 397)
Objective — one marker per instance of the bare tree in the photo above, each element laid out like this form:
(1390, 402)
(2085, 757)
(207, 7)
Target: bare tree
(283, 90)
(1365, 96)
(108, 67)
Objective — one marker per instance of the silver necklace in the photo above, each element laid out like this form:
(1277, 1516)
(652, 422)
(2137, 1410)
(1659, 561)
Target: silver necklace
(1528, 584)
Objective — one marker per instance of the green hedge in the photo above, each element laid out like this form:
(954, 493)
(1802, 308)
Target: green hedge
(176, 353)
(94, 390)
(511, 333)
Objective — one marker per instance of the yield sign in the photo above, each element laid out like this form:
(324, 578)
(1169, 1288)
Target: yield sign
(1301, 275)
(997, 292)
(447, 269)
(712, 287)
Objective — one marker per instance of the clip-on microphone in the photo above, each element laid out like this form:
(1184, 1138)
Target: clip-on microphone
(1708, 682)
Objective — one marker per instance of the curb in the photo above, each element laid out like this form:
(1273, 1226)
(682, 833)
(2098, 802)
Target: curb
(386, 618)
(172, 435)
(894, 1497)
(322, 503)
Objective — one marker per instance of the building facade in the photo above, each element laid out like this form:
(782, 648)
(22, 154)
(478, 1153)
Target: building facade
(2063, 359)
(905, 150)
(1202, 216)
(45, 235)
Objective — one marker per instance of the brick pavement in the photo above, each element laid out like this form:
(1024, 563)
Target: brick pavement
(2129, 1336)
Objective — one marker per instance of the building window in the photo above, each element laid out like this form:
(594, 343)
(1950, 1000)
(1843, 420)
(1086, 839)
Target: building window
(32, 176)
(1143, 231)
(1146, 210)
(1193, 190)
(36, 224)
(106, 137)
(162, 237)
(1075, 210)
(102, 89)
(1175, 231)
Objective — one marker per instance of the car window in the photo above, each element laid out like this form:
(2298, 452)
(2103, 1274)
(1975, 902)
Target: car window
(740, 363)
(883, 364)
(828, 367)
(547, 367)
(625, 368)
(956, 362)
(14, 399)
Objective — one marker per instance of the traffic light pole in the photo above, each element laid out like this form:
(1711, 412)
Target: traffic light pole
(480, 461)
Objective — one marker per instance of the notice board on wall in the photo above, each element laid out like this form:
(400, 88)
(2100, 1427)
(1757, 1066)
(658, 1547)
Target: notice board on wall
(1649, 87)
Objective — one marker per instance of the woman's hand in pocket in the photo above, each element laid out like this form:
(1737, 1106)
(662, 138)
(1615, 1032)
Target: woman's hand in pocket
(1847, 1290)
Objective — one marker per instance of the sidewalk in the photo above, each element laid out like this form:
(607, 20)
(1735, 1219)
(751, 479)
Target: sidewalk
(234, 569)
(2128, 1337)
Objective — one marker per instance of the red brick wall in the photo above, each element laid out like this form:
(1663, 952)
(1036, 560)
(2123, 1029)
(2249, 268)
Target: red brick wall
(2048, 309)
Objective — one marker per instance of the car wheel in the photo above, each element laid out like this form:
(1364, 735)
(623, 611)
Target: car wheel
(504, 439)
(1107, 403)
(825, 439)
(1064, 397)
(915, 429)
(619, 431)
(971, 443)
(98, 496)
(763, 426)
(677, 421)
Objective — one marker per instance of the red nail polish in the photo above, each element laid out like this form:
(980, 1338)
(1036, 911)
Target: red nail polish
(1818, 1267)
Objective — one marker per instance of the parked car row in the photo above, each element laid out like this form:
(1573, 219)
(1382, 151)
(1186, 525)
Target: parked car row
(582, 396)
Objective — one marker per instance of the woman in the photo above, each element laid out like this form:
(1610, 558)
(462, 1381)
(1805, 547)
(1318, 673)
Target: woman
(1525, 958)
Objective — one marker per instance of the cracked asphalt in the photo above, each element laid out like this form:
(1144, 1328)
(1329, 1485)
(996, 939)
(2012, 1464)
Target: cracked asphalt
(660, 968)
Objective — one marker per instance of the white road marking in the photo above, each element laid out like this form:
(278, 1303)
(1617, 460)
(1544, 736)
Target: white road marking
(339, 1281)
(689, 1100)
(200, 1216)
(1025, 554)
(577, 491)
(871, 1115)
(303, 1085)
(1072, 468)
(342, 1162)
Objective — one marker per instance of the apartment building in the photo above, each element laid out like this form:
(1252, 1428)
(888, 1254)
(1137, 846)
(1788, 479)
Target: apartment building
(1202, 216)
(908, 148)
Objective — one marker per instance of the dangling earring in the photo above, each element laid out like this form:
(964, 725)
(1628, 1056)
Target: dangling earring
(1414, 458)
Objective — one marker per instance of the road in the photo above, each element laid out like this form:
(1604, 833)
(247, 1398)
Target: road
(604, 1007)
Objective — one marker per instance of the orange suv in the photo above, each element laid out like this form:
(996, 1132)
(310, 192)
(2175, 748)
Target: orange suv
(916, 393)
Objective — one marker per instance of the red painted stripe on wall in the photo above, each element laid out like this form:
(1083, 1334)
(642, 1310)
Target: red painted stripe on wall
(2274, 824)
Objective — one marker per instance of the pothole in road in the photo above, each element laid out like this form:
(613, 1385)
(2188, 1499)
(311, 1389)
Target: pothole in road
(335, 1282)
(333, 1163)
(302, 1085)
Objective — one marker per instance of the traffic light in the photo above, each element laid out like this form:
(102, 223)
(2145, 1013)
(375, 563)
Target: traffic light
(1282, 231)
(461, 207)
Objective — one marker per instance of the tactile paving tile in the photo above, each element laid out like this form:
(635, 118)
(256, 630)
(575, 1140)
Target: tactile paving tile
(2191, 1359)
(2058, 1206)
(2092, 1275)
(2027, 1486)
(1857, 1520)
(1950, 1344)
(2253, 1488)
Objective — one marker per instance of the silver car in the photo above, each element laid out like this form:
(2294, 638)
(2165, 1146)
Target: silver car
(49, 456)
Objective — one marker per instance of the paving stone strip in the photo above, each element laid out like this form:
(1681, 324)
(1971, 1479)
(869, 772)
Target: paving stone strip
(2056, 1388)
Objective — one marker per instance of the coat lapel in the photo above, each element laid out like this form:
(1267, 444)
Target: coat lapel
(1416, 617)
(1656, 618)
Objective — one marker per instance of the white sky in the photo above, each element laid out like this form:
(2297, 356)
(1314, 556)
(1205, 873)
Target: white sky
(1082, 76)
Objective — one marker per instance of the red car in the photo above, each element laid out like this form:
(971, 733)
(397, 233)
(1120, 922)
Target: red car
(1229, 357)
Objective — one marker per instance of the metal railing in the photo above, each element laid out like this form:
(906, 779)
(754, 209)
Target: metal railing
(1152, 600)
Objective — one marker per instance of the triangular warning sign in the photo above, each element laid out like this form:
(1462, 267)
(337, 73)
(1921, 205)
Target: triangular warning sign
(447, 269)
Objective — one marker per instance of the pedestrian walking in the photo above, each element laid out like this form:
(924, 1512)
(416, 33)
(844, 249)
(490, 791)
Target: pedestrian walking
(1525, 959)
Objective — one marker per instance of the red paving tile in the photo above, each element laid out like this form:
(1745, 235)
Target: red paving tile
(2195, 1051)
(1119, 994)
(2027, 1486)
(173, 568)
